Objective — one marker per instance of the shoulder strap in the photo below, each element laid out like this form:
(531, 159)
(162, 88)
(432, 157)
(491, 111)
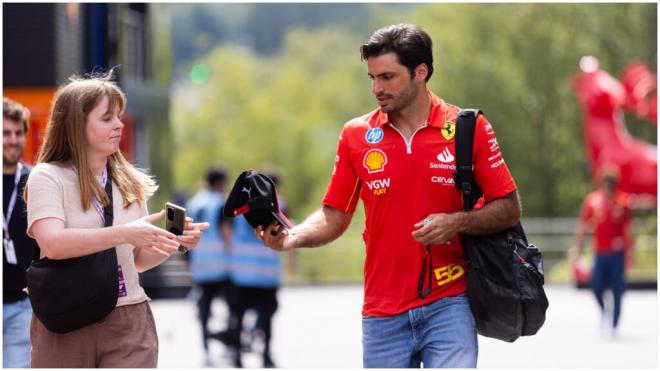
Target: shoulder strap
(108, 210)
(463, 175)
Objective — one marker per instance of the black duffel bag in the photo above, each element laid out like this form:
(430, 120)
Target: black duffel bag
(69, 294)
(505, 284)
(505, 275)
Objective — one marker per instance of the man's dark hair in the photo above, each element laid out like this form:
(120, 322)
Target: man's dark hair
(216, 175)
(410, 43)
(14, 111)
(275, 177)
(272, 172)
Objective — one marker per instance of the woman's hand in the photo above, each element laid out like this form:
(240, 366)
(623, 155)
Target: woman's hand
(142, 234)
(192, 232)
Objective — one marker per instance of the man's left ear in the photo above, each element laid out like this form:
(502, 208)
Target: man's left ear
(421, 71)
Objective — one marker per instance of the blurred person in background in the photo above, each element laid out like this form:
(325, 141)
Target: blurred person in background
(209, 262)
(606, 212)
(65, 200)
(399, 159)
(19, 249)
(255, 273)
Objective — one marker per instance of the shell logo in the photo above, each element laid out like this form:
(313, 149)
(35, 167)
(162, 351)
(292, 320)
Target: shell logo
(374, 161)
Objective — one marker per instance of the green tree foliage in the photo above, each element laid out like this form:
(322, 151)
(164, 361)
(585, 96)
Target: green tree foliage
(514, 61)
(286, 110)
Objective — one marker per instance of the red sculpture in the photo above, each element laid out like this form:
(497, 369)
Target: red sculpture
(607, 140)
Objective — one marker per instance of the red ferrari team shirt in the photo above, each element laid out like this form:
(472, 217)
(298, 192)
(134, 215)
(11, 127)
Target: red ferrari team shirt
(400, 183)
(609, 218)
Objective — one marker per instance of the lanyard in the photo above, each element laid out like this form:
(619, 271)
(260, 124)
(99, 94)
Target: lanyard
(95, 201)
(12, 201)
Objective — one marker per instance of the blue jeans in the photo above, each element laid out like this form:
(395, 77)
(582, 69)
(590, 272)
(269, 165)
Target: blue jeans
(609, 273)
(439, 334)
(16, 334)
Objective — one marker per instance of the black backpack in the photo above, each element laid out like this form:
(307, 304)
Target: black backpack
(505, 275)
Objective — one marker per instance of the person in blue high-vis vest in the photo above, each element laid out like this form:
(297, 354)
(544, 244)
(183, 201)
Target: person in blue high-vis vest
(209, 262)
(255, 273)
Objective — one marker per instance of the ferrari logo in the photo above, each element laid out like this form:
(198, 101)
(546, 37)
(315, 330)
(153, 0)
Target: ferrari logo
(448, 130)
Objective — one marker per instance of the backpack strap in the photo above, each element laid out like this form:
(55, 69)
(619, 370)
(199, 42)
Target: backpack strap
(466, 123)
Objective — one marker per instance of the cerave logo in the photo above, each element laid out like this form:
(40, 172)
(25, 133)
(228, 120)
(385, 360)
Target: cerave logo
(374, 135)
(374, 161)
(378, 186)
(444, 180)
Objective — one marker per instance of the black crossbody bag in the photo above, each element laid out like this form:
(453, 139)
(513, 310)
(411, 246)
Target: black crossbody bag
(505, 275)
(69, 294)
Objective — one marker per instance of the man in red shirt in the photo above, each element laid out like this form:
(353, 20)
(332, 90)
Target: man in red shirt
(607, 212)
(399, 159)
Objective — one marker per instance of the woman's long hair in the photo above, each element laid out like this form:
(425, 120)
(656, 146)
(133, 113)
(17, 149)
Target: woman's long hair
(66, 141)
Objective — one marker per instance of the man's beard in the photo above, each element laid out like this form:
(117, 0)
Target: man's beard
(12, 160)
(404, 100)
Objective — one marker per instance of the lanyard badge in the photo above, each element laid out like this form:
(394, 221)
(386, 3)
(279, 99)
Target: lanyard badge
(95, 201)
(8, 244)
(10, 251)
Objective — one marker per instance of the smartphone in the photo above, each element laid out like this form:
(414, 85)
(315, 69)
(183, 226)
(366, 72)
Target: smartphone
(176, 217)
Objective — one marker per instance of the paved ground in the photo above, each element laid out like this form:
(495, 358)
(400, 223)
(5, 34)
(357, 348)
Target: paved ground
(319, 327)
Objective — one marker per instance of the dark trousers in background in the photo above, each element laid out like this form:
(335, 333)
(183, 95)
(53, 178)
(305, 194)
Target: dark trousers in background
(209, 291)
(264, 302)
(609, 273)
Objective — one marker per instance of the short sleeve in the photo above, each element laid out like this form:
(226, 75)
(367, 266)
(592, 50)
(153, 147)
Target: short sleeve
(490, 171)
(344, 188)
(45, 195)
(144, 210)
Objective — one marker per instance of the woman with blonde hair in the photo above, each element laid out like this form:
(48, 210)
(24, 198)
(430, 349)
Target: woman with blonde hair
(65, 200)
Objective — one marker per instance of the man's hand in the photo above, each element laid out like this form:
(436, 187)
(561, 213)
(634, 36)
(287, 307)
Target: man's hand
(320, 228)
(494, 216)
(276, 237)
(438, 228)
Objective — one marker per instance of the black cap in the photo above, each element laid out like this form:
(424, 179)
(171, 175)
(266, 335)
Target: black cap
(254, 196)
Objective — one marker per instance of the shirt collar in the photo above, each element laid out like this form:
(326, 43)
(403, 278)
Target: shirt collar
(437, 116)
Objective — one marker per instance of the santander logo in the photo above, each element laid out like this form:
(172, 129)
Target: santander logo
(446, 156)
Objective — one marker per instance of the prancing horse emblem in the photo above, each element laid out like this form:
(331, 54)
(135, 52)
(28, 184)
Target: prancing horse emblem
(448, 130)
